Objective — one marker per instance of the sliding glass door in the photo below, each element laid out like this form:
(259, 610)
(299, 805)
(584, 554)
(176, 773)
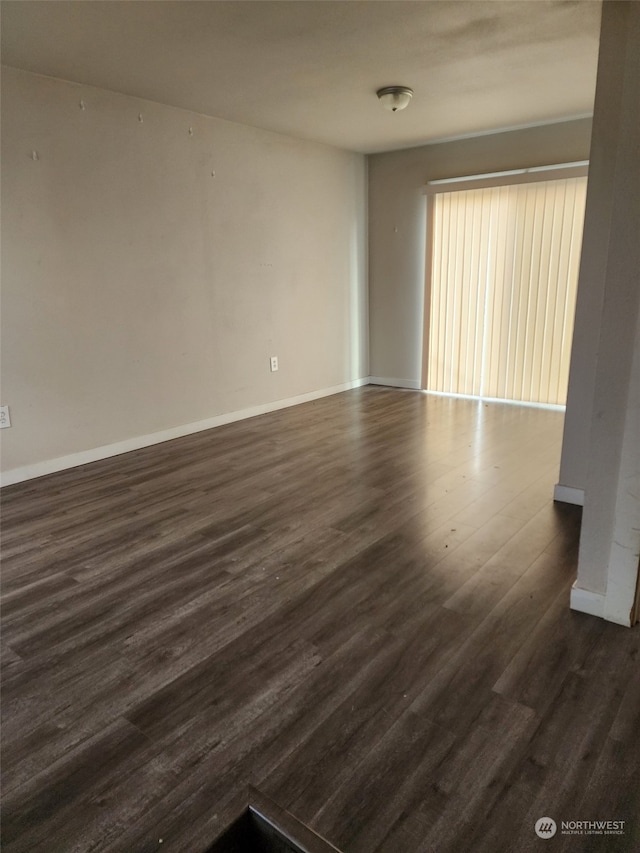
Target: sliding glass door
(502, 284)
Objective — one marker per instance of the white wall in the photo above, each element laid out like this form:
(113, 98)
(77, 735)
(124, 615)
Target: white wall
(140, 293)
(610, 534)
(593, 267)
(397, 226)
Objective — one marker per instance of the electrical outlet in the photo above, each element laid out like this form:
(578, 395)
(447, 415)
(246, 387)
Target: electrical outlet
(5, 419)
(274, 363)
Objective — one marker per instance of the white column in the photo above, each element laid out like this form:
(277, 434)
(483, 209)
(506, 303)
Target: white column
(610, 537)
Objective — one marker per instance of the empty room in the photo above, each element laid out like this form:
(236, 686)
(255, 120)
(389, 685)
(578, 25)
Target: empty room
(320, 406)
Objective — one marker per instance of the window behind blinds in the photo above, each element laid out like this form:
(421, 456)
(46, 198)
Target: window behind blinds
(503, 288)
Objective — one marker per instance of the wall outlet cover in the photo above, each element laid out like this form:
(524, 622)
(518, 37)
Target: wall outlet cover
(5, 418)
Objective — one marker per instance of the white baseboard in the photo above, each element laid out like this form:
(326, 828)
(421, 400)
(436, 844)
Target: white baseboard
(50, 466)
(568, 495)
(414, 384)
(617, 611)
(585, 601)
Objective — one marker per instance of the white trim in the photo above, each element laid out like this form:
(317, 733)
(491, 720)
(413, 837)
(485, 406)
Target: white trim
(585, 601)
(616, 606)
(612, 606)
(61, 463)
(609, 606)
(552, 406)
(529, 175)
(568, 494)
(413, 384)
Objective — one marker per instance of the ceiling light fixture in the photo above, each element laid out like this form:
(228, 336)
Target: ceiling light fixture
(395, 98)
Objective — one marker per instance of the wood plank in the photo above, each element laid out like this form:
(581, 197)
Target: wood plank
(358, 605)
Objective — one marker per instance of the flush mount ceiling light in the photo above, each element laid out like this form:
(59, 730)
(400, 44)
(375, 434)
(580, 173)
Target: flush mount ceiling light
(395, 98)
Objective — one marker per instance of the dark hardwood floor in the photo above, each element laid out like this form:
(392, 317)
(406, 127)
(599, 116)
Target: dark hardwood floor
(358, 605)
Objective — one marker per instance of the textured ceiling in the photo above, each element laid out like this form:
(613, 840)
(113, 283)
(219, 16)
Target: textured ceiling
(311, 69)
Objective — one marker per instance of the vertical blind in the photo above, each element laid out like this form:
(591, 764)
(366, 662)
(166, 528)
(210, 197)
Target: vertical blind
(503, 287)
